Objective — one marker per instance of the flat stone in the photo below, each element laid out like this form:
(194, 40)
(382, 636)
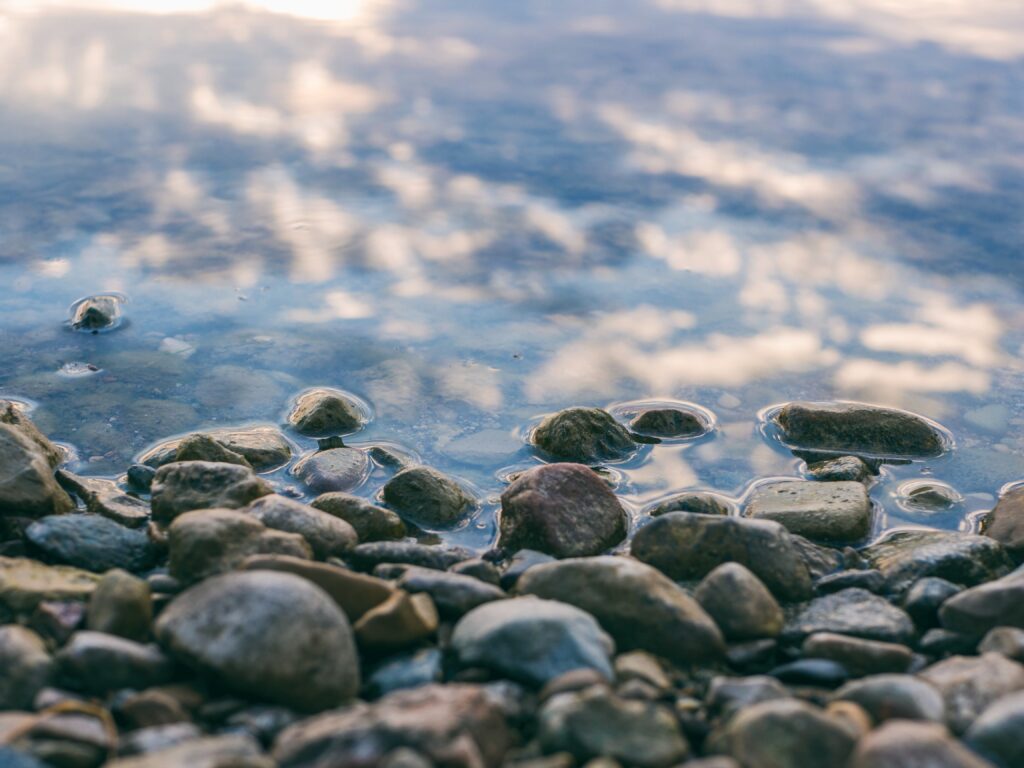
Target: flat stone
(96, 663)
(323, 411)
(636, 604)
(427, 497)
(830, 512)
(336, 469)
(27, 484)
(27, 667)
(739, 603)
(1005, 523)
(121, 605)
(25, 583)
(895, 697)
(899, 744)
(454, 595)
(92, 542)
(670, 423)
(855, 612)
(265, 448)
(969, 684)
(104, 497)
(859, 656)
(586, 435)
(371, 523)
(977, 610)
(701, 502)
(188, 485)
(200, 447)
(996, 733)
(227, 751)
(400, 621)
(96, 313)
(365, 557)
(327, 535)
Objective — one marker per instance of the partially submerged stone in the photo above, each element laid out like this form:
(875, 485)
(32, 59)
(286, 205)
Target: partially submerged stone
(13, 415)
(27, 484)
(427, 497)
(336, 469)
(850, 468)
(320, 412)
(1005, 523)
(25, 583)
(701, 502)
(830, 512)
(187, 485)
(328, 536)
(265, 448)
(586, 435)
(367, 556)
(371, 523)
(97, 313)
(670, 423)
(105, 497)
(200, 447)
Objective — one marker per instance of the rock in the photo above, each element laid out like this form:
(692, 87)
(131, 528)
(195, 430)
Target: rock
(1005, 523)
(969, 684)
(1009, 641)
(92, 542)
(637, 605)
(56, 621)
(200, 447)
(701, 502)
(187, 485)
(996, 734)
(640, 665)
(427, 497)
(586, 435)
(895, 697)
(520, 562)
(565, 510)
(328, 536)
(977, 610)
(456, 726)
(454, 595)
(14, 758)
(849, 468)
(943, 642)
(71, 740)
(829, 512)
(121, 605)
(13, 415)
(367, 556)
(321, 412)
(926, 497)
(596, 723)
(104, 497)
(269, 635)
(821, 560)
(25, 583)
(265, 448)
(669, 422)
(479, 569)
(900, 744)
(740, 604)
(872, 580)
(727, 695)
(156, 738)
(400, 621)
(815, 673)
(96, 313)
(150, 708)
(336, 469)
(95, 663)
(227, 751)
(422, 667)
(27, 667)
(27, 485)
(858, 428)
(860, 657)
(963, 558)
(371, 523)
(854, 612)
(355, 593)
(532, 640)
(684, 546)
(206, 542)
(753, 656)
(788, 732)
(140, 477)
(924, 598)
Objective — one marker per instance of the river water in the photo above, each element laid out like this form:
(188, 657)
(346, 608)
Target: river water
(471, 214)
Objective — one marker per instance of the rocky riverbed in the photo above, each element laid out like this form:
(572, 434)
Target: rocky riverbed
(195, 613)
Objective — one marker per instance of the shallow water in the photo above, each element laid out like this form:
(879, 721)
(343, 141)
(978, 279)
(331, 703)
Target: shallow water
(472, 214)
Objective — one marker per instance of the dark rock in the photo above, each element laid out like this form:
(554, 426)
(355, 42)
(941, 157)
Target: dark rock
(942, 642)
(520, 563)
(900, 744)
(1009, 641)
(427, 497)
(586, 435)
(367, 556)
(851, 468)
(851, 612)
(996, 734)
(871, 580)
(977, 610)
(480, 569)
(454, 595)
(924, 598)
(104, 497)
(860, 657)
(969, 684)
(371, 523)
(150, 708)
(336, 469)
(121, 605)
(420, 668)
(829, 512)
(95, 663)
(200, 447)
(265, 448)
(92, 542)
(895, 697)
(1005, 523)
(669, 422)
(187, 485)
(327, 535)
(13, 415)
(322, 412)
(140, 477)
(752, 657)
(818, 673)
(27, 486)
(740, 603)
(27, 667)
(701, 502)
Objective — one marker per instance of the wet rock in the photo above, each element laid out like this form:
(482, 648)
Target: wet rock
(924, 598)
(860, 657)
(996, 734)
(457, 726)
(14, 758)
(900, 744)
(853, 612)
(687, 546)
(121, 605)
(858, 428)
(27, 485)
(843, 468)
(753, 656)
(13, 415)
(520, 562)
(150, 708)
(92, 542)
(273, 636)
(927, 497)
(140, 477)
(740, 603)
(596, 723)
(265, 448)
(400, 621)
(104, 497)
(895, 697)
(96, 313)
(187, 485)
(532, 640)
(56, 621)
(156, 738)
(200, 447)
(636, 604)
(371, 523)
(829, 512)
(69, 740)
(25, 583)
(815, 673)
(367, 556)
(977, 610)
(417, 669)
(942, 642)
(727, 695)
(669, 422)
(701, 502)
(480, 569)
(870, 579)
(643, 666)
(1005, 523)
(95, 663)
(963, 558)
(27, 667)
(227, 751)
(1009, 641)
(969, 684)
(586, 435)
(565, 510)
(454, 595)
(428, 497)
(327, 535)
(336, 469)
(322, 412)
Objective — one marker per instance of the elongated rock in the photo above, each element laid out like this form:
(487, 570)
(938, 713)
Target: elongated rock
(859, 428)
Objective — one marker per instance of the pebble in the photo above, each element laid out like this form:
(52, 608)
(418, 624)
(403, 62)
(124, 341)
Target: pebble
(898, 744)
(422, 667)
(520, 562)
(858, 656)
(977, 610)
(200, 447)
(336, 469)
(371, 523)
(870, 579)
(1005, 523)
(400, 621)
(321, 412)
(739, 603)
(832, 512)
(969, 684)
(818, 673)
(997, 732)
(366, 557)
(327, 535)
(93, 543)
(895, 697)
(96, 663)
(25, 583)
(670, 423)
(585, 435)
(727, 695)
(26, 664)
(701, 502)
(480, 569)
(96, 313)
(427, 497)
(855, 612)
(1009, 641)
(187, 485)
(843, 468)
(454, 595)
(104, 497)
(121, 605)
(924, 598)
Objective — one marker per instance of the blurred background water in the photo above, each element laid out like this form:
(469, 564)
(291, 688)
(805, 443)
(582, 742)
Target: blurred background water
(474, 213)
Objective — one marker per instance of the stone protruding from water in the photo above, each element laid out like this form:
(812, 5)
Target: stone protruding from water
(322, 412)
(1005, 523)
(336, 469)
(586, 435)
(183, 486)
(96, 313)
(669, 423)
(427, 497)
(834, 512)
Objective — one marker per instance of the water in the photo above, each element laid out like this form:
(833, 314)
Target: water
(472, 214)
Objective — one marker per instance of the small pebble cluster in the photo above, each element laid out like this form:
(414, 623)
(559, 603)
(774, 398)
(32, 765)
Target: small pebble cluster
(190, 615)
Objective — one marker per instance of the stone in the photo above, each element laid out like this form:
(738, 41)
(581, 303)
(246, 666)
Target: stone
(520, 562)
(1009, 641)
(265, 448)
(969, 684)
(454, 595)
(92, 542)
(640, 665)
(121, 605)
(150, 708)
(327, 535)
(371, 523)
(321, 412)
(27, 484)
(565, 510)
(996, 733)
(68, 739)
(156, 738)
(634, 603)
(855, 612)
(226, 751)
(421, 667)
(596, 723)
(963, 558)
(927, 497)
(456, 726)
(834, 512)
(942, 642)
(95, 663)
(532, 641)
(400, 621)
(815, 673)
(585, 435)
(365, 557)
(849, 468)
(895, 697)
(924, 598)
(686, 546)
(701, 502)
(859, 429)
(670, 423)
(25, 583)
(739, 603)
(27, 667)
(1005, 523)
(427, 497)
(479, 569)
(200, 447)
(786, 733)
(273, 636)
(96, 313)
(753, 656)
(14, 758)
(977, 610)
(13, 415)
(822, 560)
(104, 497)
(140, 477)
(899, 744)
(188, 485)
(869, 579)
(860, 657)
(55, 621)
(206, 542)
(336, 469)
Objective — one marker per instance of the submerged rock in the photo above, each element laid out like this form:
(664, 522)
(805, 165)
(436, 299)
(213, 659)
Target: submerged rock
(371, 523)
(428, 497)
(336, 469)
(92, 542)
(669, 422)
(1005, 523)
(850, 468)
(586, 435)
(701, 502)
(27, 484)
(830, 512)
(187, 485)
(321, 412)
